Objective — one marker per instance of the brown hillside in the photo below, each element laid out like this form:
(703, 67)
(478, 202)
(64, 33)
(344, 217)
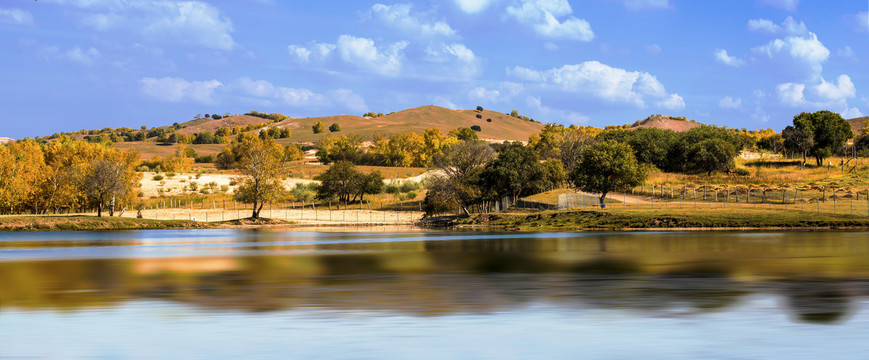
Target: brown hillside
(502, 127)
(665, 122)
(211, 125)
(857, 124)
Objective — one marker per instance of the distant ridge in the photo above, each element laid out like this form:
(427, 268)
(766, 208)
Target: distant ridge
(857, 124)
(677, 124)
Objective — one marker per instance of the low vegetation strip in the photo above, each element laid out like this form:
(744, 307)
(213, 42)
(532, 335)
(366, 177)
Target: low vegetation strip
(674, 218)
(70, 223)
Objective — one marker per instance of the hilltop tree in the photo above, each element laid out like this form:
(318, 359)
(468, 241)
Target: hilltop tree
(828, 130)
(479, 108)
(607, 166)
(334, 127)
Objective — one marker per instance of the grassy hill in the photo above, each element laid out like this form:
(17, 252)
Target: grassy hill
(494, 125)
(502, 127)
(857, 124)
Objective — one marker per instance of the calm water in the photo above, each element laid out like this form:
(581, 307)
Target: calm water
(212, 294)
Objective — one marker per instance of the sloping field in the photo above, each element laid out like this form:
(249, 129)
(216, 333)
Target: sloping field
(502, 127)
(857, 124)
(148, 150)
(211, 125)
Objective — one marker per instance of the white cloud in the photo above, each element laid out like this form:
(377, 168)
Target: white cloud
(800, 56)
(851, 112)
(842, 89)
(789, 5)
(863, 21)
(15, 17)
(313, 53)
(763, 26)
(788, 27)
(263, 89)
(185, 22)
(399, 17)
(548, 114)
(473, 6)
(829, 95)
(543, 16)
(791, 94)
(722, 57)
(362, 53)
(174, 89)
(481, 93)
(648, 4)
(673, 102)
(845, 52)
(84, 57)
(604, 82)
(349, 100)
(730, 103)
(654, 49)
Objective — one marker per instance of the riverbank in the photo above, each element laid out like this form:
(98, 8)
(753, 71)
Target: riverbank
(84, 222)
(632, 219)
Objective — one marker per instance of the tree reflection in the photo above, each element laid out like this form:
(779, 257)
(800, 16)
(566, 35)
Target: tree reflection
(819, 301)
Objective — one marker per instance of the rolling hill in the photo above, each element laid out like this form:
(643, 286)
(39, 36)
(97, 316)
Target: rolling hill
(857, 124)
(494, 126)
(501, 127)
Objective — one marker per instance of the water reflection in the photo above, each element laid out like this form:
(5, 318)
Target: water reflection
(820, 277)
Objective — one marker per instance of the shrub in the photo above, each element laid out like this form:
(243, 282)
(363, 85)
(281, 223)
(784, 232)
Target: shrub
(224, 188)
(232, 183)
(334, 127)
(193, 186)
(143, 168)
(205, 159)
(411, 195)
(409, 186)
(741, 172)
(216, 117)
(304, 192)
(170, 174)
(479, 116)
(318, 127)
(479, 108)
(476, 128)
(157, 177)
(488, 120)
(391, 189)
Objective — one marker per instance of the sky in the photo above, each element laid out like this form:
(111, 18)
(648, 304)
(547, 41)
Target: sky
(87, 64)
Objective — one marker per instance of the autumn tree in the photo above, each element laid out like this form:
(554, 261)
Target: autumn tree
(460, 165)
(343, 181)
(261, 163)
(318, 127)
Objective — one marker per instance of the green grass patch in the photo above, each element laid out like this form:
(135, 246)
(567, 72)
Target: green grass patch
(672, 218)
(77, 223)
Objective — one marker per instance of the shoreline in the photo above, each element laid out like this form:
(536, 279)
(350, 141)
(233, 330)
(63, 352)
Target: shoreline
(590, 220)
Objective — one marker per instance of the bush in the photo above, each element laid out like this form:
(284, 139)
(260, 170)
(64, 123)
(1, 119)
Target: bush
(488, 120)
(741, 172)
(479, 108)
(143, 168)
(216, 117)
(391, 189)
(224, 188)
(232, 183)
(205, 159)
(170, 174)
(157, 177)
(334, 127)
(304, 192)
(411, 195)
(479, 116)
(476, 128)
(409, 186)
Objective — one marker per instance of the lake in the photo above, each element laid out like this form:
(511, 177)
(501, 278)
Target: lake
(229, 294)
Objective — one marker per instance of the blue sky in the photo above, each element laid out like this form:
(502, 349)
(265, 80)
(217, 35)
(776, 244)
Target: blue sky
(73, 64)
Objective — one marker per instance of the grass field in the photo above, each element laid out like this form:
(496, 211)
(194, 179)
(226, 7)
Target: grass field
(615, 218)
(83, 222)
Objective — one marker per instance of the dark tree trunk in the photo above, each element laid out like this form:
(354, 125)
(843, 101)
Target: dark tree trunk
(603, 197)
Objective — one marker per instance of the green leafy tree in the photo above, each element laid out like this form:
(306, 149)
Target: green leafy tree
(516, 172)
(710, 155)
(687, 155)
(458, 185)
(479, 108)
(343, 181)
(607, 166)
(334, 127)
(828, 130)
